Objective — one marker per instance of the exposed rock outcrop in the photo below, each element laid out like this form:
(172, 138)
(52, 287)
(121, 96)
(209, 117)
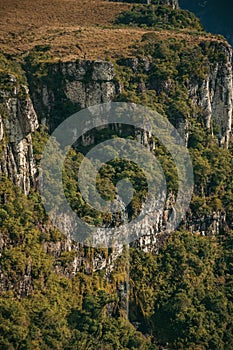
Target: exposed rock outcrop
(17, 120)
(214, 95)
(86, 83)
(71, 86)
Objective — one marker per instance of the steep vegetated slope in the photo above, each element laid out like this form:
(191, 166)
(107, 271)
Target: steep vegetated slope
(59, 57)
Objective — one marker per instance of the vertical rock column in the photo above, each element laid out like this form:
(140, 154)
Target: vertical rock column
(17, 120)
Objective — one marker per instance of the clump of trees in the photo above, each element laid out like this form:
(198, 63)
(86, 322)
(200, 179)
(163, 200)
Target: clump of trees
(184, 293)
(159, 16)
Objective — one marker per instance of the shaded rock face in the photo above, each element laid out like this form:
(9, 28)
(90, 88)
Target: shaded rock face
(207, 224)
(214, 96)
(71, 86)
(17, 120)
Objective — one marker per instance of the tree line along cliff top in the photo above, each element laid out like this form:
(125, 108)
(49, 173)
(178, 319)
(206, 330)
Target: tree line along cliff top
(78, 29)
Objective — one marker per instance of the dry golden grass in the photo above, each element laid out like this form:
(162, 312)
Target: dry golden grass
(59, 12)
(73, 28)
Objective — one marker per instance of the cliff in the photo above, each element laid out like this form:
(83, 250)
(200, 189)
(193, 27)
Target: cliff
(65, 87)
(164, 289)
(210, 89)
(214, 95)
(17, 121)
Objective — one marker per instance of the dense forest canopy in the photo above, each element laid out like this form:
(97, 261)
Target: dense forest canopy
(53, 294)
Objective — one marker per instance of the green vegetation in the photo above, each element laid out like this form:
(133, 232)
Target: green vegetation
(184, 293)
(54, 311)
(164, 87)
(10, 69)
(163, 17)
(181, 298)
(38, 61)
(108, 177)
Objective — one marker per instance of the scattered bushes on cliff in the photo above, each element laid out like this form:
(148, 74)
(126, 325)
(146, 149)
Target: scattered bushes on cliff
(10, 71)
(160, 78)
(182, 296)
(53, 311)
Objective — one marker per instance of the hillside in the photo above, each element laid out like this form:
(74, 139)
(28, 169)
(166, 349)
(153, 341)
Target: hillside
(73, 29)
(167, 284)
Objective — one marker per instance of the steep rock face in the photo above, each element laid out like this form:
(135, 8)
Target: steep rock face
(71, 86)
(151, 240)
(17, 120)
(214, 96)
(86, 83)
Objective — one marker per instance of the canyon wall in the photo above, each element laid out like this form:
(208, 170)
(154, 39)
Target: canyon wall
(67, 87)
(17, 120)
